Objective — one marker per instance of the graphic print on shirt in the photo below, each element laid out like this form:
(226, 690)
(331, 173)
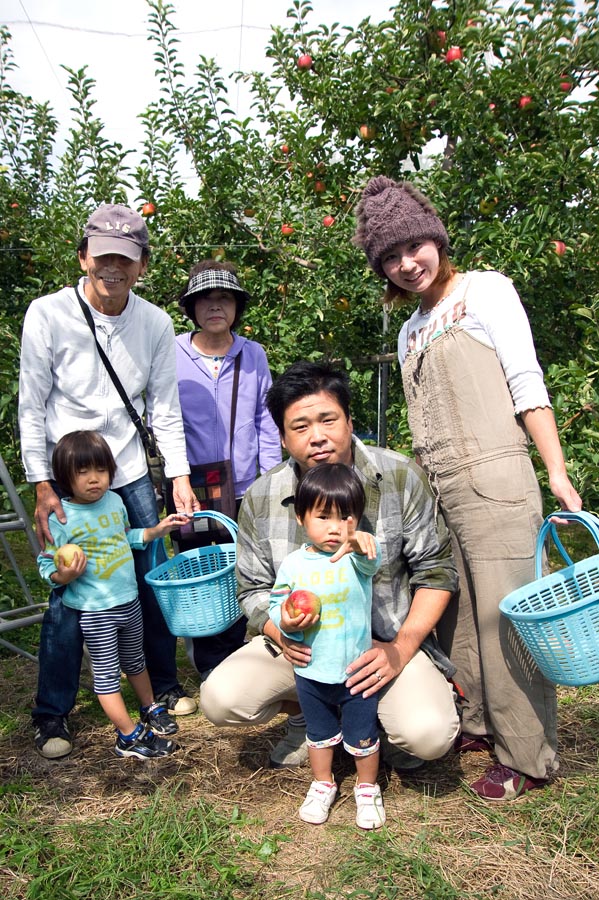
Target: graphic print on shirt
(436, 326)
(105, 550)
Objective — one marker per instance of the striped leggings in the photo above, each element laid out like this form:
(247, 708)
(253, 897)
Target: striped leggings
(114, 639)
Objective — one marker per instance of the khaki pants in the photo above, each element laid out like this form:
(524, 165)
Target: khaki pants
(417, 710)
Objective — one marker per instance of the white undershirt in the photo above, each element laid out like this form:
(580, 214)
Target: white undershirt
(495, 317)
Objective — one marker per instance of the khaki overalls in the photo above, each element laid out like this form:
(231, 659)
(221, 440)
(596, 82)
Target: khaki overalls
(474, 450)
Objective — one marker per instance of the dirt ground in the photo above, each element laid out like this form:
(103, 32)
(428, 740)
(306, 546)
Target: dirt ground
(229, 767)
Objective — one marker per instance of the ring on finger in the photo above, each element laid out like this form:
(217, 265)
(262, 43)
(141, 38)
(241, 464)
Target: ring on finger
(378, 676)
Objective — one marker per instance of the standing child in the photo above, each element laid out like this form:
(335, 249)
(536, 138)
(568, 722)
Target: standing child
(100, 582)
(337, 564)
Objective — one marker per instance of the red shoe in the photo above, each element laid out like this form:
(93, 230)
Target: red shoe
(502, 783)
(468, 743)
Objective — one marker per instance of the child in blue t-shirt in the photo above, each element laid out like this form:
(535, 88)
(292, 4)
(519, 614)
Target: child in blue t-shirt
(337, 565)
(100, 582)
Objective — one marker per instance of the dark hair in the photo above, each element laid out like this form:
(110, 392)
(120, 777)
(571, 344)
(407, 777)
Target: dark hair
(80, 450)
(82, 250)
(205, 265)
(302, 379)
(397, 297)
(331, 485)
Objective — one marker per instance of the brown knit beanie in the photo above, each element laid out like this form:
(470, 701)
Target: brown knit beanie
(390, 213)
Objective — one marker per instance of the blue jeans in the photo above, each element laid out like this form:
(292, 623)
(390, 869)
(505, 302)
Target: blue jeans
(61, 641)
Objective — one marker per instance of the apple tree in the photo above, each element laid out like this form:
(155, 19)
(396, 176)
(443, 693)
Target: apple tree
(490, 108)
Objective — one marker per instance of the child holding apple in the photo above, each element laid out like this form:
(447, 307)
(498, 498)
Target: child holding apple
(322, 596)
(98, 577)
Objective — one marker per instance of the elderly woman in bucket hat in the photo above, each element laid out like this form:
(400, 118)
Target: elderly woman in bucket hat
(207, 358)
(475, 393)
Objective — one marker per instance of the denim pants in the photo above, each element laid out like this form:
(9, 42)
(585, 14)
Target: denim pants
(61, 641)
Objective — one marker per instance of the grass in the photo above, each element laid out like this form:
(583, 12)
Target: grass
(213, 821)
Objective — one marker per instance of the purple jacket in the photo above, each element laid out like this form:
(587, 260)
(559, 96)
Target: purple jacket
(206, 410)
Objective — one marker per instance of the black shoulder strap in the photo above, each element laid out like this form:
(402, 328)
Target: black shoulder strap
(143, 431)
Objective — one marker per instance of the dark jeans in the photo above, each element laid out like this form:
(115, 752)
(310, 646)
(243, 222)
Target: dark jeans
(61, 641)
(330, 708)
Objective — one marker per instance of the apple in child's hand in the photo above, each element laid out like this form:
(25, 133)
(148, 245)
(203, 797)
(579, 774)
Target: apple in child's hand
(67, 553)
(304, 603)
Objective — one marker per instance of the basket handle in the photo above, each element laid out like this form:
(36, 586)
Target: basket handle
(590, 522)
(229, 524)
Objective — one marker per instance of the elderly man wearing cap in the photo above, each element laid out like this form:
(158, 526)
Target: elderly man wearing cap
(65, 386)
(223, 380)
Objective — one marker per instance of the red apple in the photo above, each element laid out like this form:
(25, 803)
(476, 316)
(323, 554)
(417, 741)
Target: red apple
(304, 61)
(249, 212)
(14, 205)
(328, 221)
(565, 86)
(453, 53)
(524, 101)
(148, 209)
(67, 553)
(320, 187)
(285, 149)
(367, 132)
(559, 247)
(442, 38)
(492, 106)
(286, 229)
(302, 602)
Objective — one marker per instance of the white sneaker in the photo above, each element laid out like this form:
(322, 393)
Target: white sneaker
(370, 810)
(292, 750)
(319, 799)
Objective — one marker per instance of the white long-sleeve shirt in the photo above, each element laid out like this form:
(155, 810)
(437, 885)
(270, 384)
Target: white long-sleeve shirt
(64, 385)
(495, 317)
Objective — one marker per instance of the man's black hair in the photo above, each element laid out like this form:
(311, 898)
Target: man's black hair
(302, 379)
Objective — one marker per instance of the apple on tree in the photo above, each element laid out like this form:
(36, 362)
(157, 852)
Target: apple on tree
(286, 229)
(524, 101)
(148, 209)
(304, 61)
(367, 132)
(328, 221)
(302, 603)
(453, 54)
(559, 247)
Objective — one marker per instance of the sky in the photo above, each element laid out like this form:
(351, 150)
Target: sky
(110, 37)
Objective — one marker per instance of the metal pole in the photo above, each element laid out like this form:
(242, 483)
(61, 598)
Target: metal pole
(383, 397)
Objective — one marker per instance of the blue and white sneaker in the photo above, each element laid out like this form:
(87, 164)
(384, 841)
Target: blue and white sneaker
(144, 744)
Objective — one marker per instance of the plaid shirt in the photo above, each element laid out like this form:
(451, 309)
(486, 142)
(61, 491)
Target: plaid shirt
(400, 512)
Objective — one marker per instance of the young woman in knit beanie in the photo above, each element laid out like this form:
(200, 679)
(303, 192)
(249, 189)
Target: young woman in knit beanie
(475, 392)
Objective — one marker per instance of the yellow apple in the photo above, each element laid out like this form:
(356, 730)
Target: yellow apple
(67, 553)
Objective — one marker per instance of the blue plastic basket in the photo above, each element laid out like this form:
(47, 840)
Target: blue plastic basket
(557, 616)
(197, 590)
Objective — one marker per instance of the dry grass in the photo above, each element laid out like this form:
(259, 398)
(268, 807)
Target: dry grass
(534, 848)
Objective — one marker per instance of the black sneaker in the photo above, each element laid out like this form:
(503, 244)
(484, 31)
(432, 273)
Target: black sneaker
(52, 737)
(145, 745)
(177, 702)
(158, 720)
